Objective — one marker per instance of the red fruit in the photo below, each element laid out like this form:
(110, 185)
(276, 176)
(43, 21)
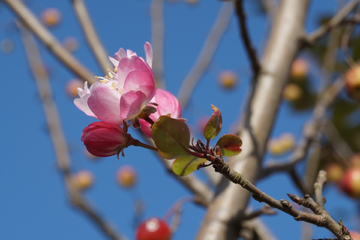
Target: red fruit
(355, 235)
(153, 229)
(352, 78)
(126, 176)
(350, 182)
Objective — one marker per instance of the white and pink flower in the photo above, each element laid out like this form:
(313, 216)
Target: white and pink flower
(124, 93)
(167, 104)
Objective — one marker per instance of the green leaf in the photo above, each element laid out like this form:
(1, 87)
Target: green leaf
(171, 137)
(229, 145)
(214, 125)
(187, 164)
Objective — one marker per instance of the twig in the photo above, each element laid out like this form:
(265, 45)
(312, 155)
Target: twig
(298, 182)
(59, 143)
(335, 21)
(157, 31)
(91, 36)
(206, 54)
(339, 144)
(34, 25)
(320, 217)
(202, 193)
(318, 186)
(265, 210)
(255, 65)
(310, 130)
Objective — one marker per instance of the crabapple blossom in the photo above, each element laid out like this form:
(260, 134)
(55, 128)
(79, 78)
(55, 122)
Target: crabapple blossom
(166, 104)
(123, 93)
(104, 139)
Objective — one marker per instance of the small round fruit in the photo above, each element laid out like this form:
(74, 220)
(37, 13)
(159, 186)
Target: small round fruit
(299, 68)
(83, 179)
(355, 235)
(350, 182)
(51, 17)
(126, 176)
(334, 172)
(292, 92)
(153, 229)
(355, 160)
(287, 140)
(71, 44)
(352, 82)
(276, 147)
(72, 86)
(228, 79)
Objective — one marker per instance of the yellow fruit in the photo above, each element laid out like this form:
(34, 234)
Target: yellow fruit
(126, 176)
(51, 17)
(72, 86)
(292, 92)
(83, 179)
(334, 172)
(299, 69)
(228, 79)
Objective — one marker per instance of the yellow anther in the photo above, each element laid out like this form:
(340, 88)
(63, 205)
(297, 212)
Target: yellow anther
(115, 70)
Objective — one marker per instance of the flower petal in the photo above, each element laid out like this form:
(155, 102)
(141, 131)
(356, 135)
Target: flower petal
(131, 104)
(167, 103)
(104, 103)
(127, 65)
(82, 104)
(148, 53)
(120, 54)
(140, 80)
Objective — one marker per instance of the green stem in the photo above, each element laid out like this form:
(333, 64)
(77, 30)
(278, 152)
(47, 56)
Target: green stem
(140, 144)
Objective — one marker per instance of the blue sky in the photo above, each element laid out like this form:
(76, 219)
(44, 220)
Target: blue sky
(33, 203)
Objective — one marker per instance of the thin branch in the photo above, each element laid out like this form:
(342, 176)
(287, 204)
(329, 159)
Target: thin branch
(255, 65)
(299, 182)
(320, 217)
(206, 54)
(157, 31)
(310, 130)
(335, 21)
(91, 36)
(34, 25)
(265, 210)
(59, 143)
(318, 187)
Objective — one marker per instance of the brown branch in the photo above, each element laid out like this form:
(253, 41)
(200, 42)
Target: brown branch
(34, 25)
(335, 21)
(157, 39)
(318, 187)
(59, 143)
(255, 65)
(310, 131)
(265, 210)
(91, 36)
(320, 217)
(257, 123)
(298, 182)
(206, 54)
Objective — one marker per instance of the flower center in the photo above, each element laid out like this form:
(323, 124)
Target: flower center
(111, 81)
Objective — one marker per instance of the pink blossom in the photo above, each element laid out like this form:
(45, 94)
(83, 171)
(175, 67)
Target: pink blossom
(103, 139)
(167, 104)
(124, 92)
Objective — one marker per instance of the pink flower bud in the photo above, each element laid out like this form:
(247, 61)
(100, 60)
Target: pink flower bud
(167, 104)
(104, 139)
